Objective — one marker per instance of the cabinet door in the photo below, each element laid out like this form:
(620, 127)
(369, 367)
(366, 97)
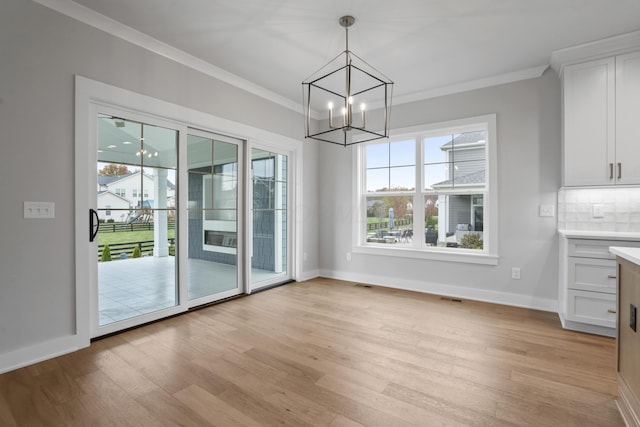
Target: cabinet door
(589, 274)
(589, 119)
(592, 308)
(628, 119)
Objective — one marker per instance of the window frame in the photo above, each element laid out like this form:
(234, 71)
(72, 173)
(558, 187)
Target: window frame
(489, 254)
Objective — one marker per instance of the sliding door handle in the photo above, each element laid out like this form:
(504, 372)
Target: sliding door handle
(94, 224)
(610, 170)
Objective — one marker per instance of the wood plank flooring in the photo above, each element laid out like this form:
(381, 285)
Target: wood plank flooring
(328, 353)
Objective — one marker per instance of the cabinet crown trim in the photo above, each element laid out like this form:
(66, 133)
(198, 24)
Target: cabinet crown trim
(611, 46)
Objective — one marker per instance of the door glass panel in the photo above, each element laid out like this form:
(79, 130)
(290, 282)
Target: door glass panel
(213, 216)
(269, 212)
(136, 209)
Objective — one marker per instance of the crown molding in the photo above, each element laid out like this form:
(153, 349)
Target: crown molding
(117, 29)
(515, 76)
(598, 49)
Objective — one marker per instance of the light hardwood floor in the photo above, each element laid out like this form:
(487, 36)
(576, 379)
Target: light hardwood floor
(328, 353)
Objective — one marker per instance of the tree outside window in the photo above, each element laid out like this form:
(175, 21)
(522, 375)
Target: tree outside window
(438, 204)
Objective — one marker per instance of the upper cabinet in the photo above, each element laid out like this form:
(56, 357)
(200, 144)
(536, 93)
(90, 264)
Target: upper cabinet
(628, 118)
(589, 123)
(601, 111)
(602, 122)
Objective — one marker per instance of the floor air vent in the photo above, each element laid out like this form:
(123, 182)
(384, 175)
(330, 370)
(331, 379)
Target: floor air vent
(451, 299)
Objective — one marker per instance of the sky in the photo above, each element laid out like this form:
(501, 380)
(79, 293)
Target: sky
(392, 164)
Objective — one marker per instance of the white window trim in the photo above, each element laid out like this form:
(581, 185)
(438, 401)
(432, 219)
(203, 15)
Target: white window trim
(489, 255)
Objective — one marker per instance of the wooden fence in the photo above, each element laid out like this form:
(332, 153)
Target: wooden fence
(115, 227)
(118, 249)
(384, 224)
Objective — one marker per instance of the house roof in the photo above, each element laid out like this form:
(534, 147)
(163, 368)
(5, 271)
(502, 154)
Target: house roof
(465, 139)
(474, 178)
(110, 193)
(104, 180)
(110, 179)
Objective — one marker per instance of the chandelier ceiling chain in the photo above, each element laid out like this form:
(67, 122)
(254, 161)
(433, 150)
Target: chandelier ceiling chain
(361, 84)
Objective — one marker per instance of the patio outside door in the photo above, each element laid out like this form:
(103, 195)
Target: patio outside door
(215, 220)
(270, 213)
(134, 222)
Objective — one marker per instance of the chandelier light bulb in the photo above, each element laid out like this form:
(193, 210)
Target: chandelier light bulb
(330, 105)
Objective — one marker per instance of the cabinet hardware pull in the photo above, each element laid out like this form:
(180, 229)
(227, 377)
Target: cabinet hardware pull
(619, 170)
(611, 276)
(611, 311)
(610, 170)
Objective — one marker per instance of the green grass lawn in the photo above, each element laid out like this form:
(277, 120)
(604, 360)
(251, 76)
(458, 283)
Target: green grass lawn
(129, 236)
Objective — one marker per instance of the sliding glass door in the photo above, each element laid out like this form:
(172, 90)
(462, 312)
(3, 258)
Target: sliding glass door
(270, 212)
(215, 216)
(175, 224)
(134, 220)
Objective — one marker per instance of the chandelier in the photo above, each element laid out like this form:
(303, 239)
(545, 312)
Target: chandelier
(351, 99)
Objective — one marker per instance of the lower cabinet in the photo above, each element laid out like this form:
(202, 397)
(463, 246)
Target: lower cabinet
(588, 285)
(592, 308)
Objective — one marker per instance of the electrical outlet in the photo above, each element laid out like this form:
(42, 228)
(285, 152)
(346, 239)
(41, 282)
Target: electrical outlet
(39, 210)
(597, 210)
(546, 210)
(515, 273)
(304, 256)
(348, 256)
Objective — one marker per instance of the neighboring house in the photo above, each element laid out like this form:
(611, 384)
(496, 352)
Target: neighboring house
(130, 188)
(112, 206)
(462, 213)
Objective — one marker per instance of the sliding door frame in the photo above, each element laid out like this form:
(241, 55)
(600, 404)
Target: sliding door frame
(291, 203)
(89, 96)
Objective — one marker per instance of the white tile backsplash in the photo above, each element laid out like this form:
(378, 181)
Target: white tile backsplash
(621, 208)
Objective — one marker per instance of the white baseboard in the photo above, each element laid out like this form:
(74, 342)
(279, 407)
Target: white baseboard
(496, 297)
(308, 275)
(42, 351)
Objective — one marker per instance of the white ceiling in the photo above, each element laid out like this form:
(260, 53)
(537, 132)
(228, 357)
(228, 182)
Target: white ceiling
(422, 45)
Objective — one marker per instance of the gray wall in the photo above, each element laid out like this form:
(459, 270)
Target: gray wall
(529, 137)
(40, 52)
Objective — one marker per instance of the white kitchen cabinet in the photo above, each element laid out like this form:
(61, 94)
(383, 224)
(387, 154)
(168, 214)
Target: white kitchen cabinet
(628, 118)
(592, 308)
(601, 129)
(589, 117)
(588, 284)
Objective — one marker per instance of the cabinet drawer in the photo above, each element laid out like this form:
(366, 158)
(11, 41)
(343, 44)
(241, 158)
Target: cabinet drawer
(596, 248)
(589, 274)
(593, 308)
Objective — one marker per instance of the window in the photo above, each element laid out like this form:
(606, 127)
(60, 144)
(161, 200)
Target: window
(430, 192)
(134, 193)
(121, 192)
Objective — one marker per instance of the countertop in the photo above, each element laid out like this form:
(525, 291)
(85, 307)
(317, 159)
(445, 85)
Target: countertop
(601, 235)
(630, 254)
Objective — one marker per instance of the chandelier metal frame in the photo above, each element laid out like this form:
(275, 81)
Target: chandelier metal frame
(361, 81)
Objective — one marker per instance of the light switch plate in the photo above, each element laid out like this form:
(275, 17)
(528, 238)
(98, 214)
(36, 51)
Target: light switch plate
(39, 210)
(547, 210)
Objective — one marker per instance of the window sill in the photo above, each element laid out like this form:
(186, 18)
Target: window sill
(435, 254)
